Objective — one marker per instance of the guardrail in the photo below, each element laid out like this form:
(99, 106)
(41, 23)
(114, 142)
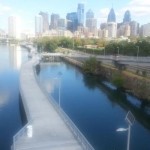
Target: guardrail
(19, 134)
(76, 132)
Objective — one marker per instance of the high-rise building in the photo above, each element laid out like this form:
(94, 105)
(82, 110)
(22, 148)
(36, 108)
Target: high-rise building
(80, 13)
(103, 26)
(112, 29)
(61, 24)
(54, 21)
(91, 24)
(145, 30)
(38, 25)
(134, 27)
(72, 21)
(13, 28)
(127, 17)
(45, 18)
(89, 14)
(123, 30)
(111, 16)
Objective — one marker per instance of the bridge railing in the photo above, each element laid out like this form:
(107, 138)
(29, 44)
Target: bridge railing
(76, 132)
(20, 133)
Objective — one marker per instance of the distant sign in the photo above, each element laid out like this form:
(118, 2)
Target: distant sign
(130, 118)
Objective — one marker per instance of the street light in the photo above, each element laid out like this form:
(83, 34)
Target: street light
(104, 52)
(118, 50)
(137, 57)
(130, 120)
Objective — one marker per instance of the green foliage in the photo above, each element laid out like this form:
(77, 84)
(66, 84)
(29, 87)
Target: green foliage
(118, 80)
(46, 44)
(90, 65)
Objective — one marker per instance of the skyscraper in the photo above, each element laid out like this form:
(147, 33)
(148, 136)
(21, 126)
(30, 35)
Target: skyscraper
(13, 29)
(112, 29)
(62, 24)
(80, 13)
(111, 16)
(54, 21)
(145, 30)
(127, 17)
(38, 25)
(134, 27)
(91, 23)
(72, 21)
(45, 18)
(89, 14)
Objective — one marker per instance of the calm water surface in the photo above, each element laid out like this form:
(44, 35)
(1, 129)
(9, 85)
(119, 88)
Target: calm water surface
(97, 108)
(11, 58)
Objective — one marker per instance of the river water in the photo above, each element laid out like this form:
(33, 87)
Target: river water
(96, 107)
(11, 58)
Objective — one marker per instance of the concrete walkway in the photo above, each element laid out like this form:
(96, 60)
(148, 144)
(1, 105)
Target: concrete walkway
(50, 132)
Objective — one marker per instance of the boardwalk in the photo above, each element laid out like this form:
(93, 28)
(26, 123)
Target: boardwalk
(50, 131)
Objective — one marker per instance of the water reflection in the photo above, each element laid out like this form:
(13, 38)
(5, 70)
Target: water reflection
(15, 56)
(4, 96)
(10, 121)
(125, 100)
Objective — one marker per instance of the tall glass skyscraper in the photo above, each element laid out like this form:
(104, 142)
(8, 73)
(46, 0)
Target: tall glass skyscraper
(127, 17)
(89, 14)
(45, 17)
(111, 16)
(80, 13)
(38, 25)
(72, 21)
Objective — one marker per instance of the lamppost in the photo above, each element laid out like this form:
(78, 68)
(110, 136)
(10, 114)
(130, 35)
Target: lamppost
(104, 52)
(130, 120)
(137, 56)
(118, 50)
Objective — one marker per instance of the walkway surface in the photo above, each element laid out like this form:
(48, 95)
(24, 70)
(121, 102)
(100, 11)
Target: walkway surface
(50, 132)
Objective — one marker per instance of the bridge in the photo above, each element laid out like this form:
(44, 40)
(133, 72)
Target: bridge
(48, 126)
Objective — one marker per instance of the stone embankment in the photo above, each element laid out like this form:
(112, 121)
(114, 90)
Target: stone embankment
(137, 85)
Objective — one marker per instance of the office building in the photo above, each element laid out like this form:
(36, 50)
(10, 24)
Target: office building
(45, 18)
(134, 27)
(111, 16)
(38, 25)
(72, 21)
(54, 21)
(61, 24)
(123, 30)
(13, 27)
(80, 13)
(127, 17)
(91, 24)
(145, 30)
(112, 29)
(89, 14)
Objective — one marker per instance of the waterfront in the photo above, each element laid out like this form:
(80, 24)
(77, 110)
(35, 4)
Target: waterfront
(11, 58)
(96, 107)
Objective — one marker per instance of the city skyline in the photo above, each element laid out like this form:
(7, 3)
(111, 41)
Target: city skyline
(139, 12)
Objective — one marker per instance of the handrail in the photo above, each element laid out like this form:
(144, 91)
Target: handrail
(76, 132)
(21, 132)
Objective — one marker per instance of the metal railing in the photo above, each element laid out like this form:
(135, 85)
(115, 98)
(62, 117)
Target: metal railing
(76, 132)
(20, 133)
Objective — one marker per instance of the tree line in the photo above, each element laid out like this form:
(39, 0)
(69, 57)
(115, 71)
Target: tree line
(139, 46)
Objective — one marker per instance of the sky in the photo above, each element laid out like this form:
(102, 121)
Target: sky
(26, 10)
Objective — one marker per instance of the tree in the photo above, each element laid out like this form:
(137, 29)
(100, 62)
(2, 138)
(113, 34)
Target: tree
(90, 65)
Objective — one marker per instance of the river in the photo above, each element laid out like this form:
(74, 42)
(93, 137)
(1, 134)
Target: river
(11, 58)
(96, 107)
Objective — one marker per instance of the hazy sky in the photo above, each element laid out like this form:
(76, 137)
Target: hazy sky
(27, 9)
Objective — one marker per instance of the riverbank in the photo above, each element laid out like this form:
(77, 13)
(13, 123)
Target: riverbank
(136, 85)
